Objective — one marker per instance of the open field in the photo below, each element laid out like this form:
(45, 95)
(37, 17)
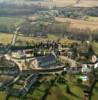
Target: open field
(75, 3)
(7, 38)
(95, 92)
(95, 45)
(3, 95)
(46, 3)
(10, 21)
(58, 3)
(93, 19)
(79, 24)
(89, 23)
(57, 91)
(87, 3)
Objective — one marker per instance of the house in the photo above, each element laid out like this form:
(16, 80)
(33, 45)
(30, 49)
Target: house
(65, 51)
(85, 51)
(83, 78)
(73, 70)
(40, 34)
(92, 62)
(96, 65)
(43, 61)
(85, 69)
(23, 53)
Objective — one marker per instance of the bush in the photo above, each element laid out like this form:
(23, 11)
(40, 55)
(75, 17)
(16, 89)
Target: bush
(68, 89)
(79, 81)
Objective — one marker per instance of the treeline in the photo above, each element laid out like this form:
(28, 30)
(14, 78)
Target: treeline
(28, 28)
(83, 34)
(77, 12)
(60, 29)
(16, 10)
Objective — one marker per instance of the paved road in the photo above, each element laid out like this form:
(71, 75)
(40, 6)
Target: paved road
(43, 71)
(20, 70)
(15, 36)
(54, 69)
(72, 62)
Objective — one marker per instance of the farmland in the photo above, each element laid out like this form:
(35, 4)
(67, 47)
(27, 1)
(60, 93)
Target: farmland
(58, 3)
(10, 21)
(65, 29)
(90, 23)
(87, 3)
(80, 24)
(75, 3)
(7, 38)
(57, 91)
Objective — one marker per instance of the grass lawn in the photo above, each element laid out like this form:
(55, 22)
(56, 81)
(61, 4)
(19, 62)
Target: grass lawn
(5, 38)
(37, 95)
(95, 92)
(90, 18)
(56, 92)
(3, 95)
(95, 47)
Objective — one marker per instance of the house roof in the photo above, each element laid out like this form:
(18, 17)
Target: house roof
(14, 48)
(47, 58)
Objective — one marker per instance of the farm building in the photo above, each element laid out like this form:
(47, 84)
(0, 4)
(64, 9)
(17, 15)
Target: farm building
(43, 62)
(23, 53)
(40, 34)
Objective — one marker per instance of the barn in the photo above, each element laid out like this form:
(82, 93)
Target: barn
(47, 61)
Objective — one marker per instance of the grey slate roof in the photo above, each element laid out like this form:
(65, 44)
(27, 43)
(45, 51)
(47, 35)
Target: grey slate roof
(46, 58)
(46, 61)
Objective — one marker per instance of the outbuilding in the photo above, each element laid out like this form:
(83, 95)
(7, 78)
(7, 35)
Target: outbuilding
(43, 62)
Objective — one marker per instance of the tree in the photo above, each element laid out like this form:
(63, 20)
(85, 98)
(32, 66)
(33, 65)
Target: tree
(79, 81)
(68, 89)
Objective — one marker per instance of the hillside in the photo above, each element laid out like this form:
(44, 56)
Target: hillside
(86, 3)
(58, 3)
(79, 24)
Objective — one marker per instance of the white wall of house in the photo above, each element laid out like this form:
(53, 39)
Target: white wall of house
(85, 68)
(96, 65)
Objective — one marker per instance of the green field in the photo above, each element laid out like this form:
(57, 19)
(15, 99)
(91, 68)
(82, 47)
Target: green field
(10, 21)
(56, 92)
(95, 45)
(95, 92)
(7, 38)
(3, 95)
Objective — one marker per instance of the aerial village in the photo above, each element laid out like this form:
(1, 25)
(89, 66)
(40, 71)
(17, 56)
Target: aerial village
(48, 49)
(25, 68)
